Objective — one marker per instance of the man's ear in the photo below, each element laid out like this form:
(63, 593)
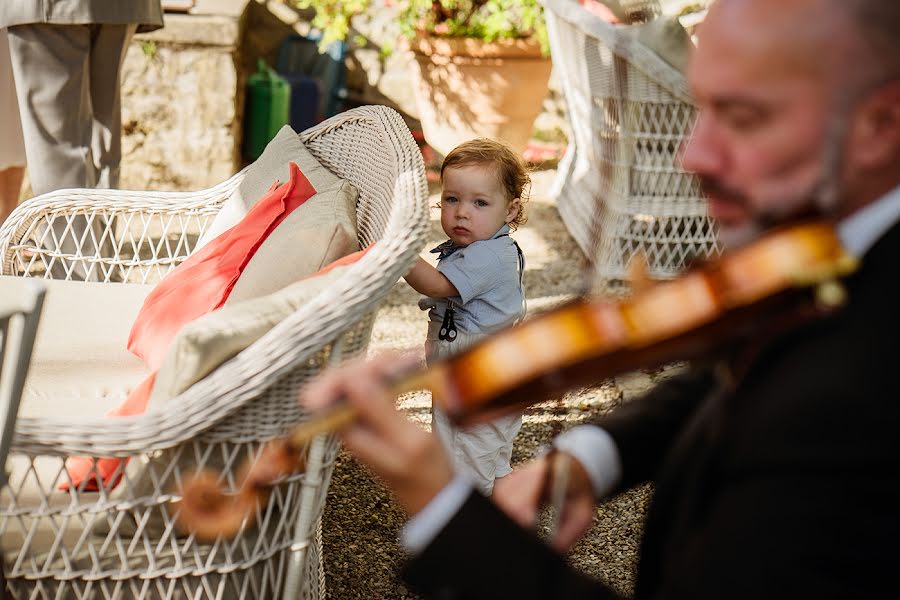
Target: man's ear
(512, 209)
(874, 136)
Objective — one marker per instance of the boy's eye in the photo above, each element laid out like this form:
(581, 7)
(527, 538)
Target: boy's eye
(449, 199)
(481, 202)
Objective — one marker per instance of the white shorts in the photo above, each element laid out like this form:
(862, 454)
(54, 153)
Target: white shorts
(480, 452)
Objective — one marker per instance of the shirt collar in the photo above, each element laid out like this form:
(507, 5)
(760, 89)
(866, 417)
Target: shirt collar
(860, 231)
(447, 248)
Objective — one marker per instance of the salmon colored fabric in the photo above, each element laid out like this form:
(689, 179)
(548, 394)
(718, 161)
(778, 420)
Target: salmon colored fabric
(79, 467)
(110, 470)
(600, 10)
(203, 282)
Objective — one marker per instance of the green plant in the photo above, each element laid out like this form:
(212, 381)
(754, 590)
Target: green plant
(489, 20)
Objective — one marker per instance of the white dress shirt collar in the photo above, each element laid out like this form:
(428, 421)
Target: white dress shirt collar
(862, 229)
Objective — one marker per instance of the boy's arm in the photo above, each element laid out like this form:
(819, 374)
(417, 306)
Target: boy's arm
(428, 281)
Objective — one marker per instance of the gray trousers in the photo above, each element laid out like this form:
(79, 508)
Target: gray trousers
(67, 81)
(68, 85)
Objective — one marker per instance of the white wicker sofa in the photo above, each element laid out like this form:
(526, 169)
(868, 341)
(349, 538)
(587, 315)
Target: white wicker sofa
(620, 189)
(123, 543)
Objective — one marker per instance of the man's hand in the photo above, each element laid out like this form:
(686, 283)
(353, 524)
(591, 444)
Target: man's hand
(521, 494)
(408, 459)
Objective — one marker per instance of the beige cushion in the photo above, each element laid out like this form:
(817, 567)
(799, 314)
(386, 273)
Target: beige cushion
(204, 344)
(667, 38)
(317, 233)
(80, 366)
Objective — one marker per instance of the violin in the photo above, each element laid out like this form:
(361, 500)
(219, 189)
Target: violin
(790, 273)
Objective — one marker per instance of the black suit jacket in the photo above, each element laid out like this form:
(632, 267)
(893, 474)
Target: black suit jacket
(785, 484)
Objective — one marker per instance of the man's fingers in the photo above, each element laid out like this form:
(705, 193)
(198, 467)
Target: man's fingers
(576, 518)
(330, 386)
(519, 493)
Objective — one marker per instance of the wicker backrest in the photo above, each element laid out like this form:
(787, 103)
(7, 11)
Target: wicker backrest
(122, 543)
(630, 112)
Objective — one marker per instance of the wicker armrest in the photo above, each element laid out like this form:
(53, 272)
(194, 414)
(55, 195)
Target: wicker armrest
(112, 235)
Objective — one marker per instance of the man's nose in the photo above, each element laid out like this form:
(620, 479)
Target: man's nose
(703, 152)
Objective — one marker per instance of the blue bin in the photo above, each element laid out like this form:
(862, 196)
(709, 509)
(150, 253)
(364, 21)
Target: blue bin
(299, 61)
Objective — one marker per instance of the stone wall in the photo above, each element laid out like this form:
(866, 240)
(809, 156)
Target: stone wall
(183, 88)
(182, 92)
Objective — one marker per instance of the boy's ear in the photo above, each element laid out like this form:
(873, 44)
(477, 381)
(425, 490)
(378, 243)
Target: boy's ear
(512, 209)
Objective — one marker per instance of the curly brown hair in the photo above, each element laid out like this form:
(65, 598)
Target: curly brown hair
(511, 170)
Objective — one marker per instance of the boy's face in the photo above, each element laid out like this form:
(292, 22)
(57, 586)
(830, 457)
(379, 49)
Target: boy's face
(474, 204)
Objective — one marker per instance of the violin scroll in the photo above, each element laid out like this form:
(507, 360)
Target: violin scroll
(207, 511)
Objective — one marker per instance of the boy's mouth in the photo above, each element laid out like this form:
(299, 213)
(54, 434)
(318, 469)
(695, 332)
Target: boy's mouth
(460, 230)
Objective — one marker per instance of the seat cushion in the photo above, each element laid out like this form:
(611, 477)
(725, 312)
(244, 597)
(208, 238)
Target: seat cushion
(79, 368)
(80, 365)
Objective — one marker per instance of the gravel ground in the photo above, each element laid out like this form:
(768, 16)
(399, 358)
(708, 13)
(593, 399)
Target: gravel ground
(362, 520)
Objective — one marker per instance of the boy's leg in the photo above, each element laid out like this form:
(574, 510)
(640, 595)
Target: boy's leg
(480, 452)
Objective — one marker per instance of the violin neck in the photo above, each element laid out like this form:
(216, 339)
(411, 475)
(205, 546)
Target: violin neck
(341, 414)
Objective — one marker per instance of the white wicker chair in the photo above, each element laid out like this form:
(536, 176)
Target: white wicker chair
(122, 544)
(629, 112)
(20, 311)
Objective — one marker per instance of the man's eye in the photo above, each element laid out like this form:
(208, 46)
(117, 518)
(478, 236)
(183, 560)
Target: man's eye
(744, 120)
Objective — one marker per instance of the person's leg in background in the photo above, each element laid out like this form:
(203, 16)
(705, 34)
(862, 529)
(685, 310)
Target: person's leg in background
(108, 48)
(12, 149)
(10, 188)
(51, 68)
(66, 92)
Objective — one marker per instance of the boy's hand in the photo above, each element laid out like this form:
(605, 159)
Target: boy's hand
(408, 459)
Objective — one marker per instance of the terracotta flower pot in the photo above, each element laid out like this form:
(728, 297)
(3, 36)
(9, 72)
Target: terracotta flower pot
(468, 88)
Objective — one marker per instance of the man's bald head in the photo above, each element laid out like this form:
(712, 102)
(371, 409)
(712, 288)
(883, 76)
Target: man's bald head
(857, 42)
(799, 100)
(877, 25)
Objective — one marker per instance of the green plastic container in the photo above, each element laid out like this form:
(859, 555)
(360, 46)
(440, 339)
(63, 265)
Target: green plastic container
(267, 109)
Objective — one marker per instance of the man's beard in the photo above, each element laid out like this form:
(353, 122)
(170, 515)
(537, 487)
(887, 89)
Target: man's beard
(822, 199)
(816, 201)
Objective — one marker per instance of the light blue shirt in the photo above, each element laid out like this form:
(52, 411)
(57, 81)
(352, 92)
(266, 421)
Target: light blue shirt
(487, 276)
(592, 446)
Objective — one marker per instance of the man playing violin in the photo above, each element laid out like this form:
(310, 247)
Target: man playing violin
(778, 479)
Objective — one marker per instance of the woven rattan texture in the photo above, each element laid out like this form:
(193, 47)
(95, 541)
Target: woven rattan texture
(620, 189)
(122, 543)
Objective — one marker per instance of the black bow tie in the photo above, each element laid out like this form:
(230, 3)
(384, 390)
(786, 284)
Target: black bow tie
(445, 249)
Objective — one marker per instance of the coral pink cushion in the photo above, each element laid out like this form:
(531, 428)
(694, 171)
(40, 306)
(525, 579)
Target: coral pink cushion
(80, 467)
(203, 282)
